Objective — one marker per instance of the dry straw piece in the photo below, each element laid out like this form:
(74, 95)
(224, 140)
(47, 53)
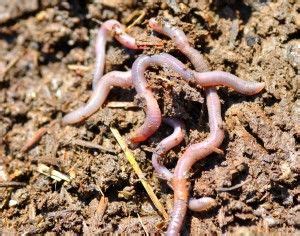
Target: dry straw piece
(130, 157)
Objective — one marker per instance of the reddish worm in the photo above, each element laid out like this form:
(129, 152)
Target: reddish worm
(99, 95)
(197, 151)
(181, 191)
(102, 88)
(124, 80)
(162, 148)
(206, 79)
(118, 30)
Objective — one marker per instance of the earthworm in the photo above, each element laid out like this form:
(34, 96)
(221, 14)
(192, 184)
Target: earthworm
(118, 30)
(194, 153)
(124, 80)
(181, 191)
(181, 41)
(200, 150)
(98, 96)
(209, 78)
(163, 147)
(153, 114)
(215, 78)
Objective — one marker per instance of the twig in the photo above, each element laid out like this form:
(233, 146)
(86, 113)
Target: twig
(148, 43)
(142, 224)
(218, 151)
(12, 63)
(99, 22)
(36, 137)
(3, 172)
(79, 67)
(224, 189)
(88, 144)
(130, 157)
(54, 174)
(100, 209)
(121, 105)
(11, 184)
(141, 14)
(99, 189)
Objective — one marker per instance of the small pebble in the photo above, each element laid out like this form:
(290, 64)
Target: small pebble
(252, 40)
(270, 221)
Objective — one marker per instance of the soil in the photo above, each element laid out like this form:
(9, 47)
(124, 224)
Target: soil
(46, 62)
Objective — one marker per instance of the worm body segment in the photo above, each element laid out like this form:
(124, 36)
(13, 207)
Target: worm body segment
(181, 186)
(153, 114)
(165, 145)
(118, 30)
(99, 95)
(194, 153)
(124, 80)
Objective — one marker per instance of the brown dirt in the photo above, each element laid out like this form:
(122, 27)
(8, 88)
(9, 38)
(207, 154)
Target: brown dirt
(256, 40)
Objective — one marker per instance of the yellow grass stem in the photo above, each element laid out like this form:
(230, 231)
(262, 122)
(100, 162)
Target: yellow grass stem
(130, 157)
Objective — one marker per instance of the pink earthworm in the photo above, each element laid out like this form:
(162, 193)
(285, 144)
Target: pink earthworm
(194, 153)
(200, 150)
(163, 147)
(200, 64)
(181, 191)
(205, 79)
(124, 80)
(153, 114)
(99, 94)
(118, 30)
(167, 144)
(181, 41)
(111, 79)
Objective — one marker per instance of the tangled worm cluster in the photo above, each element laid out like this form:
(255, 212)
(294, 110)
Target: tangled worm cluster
(135, 78)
